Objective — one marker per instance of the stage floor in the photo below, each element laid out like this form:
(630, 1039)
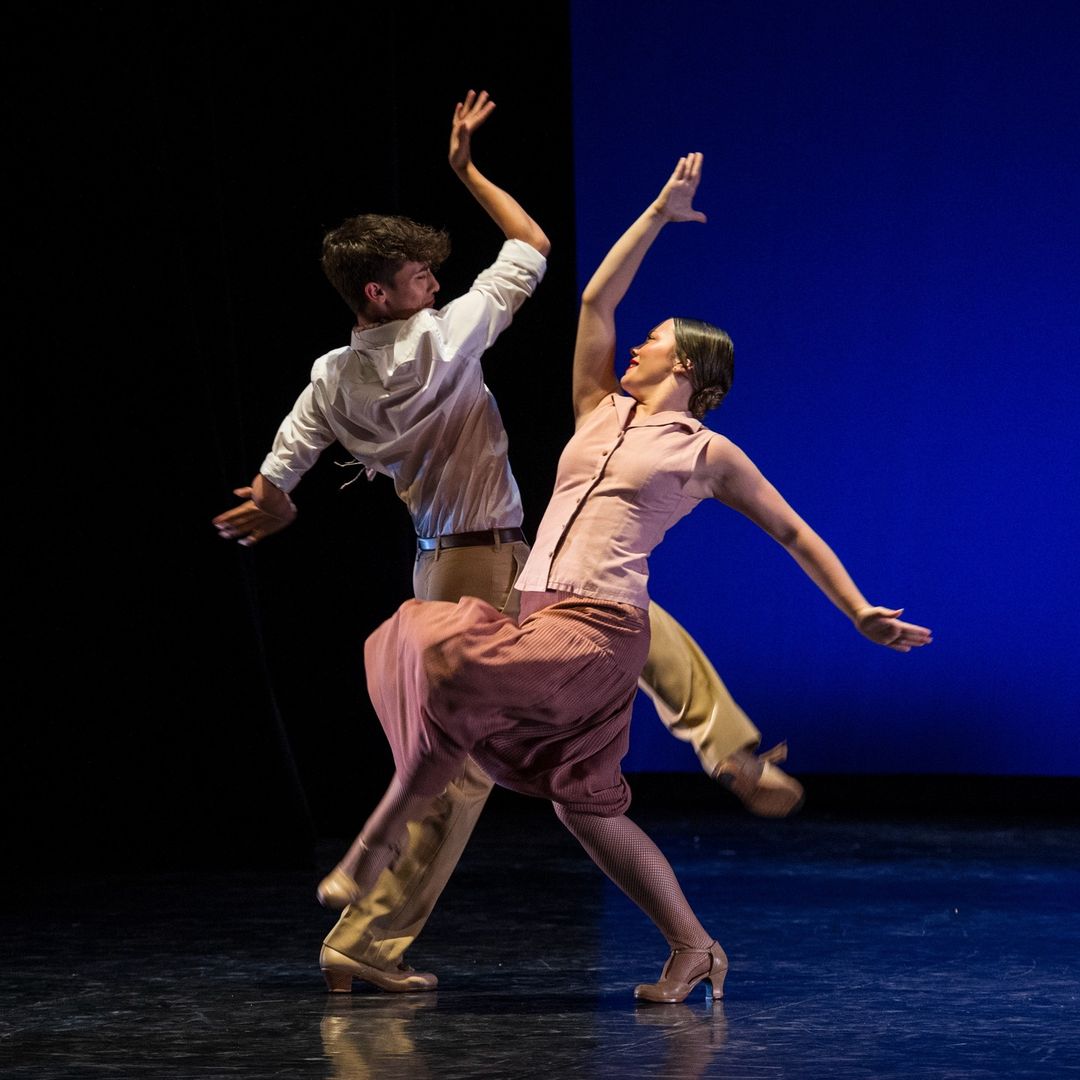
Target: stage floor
(858, 948)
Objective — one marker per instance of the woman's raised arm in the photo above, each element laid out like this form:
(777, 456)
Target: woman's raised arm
(594, 347)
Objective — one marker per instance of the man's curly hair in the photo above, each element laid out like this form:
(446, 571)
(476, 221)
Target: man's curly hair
(374, 247)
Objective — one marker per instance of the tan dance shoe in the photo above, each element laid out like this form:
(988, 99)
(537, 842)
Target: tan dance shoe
(762, 786)
(339, 971)
(685, 968)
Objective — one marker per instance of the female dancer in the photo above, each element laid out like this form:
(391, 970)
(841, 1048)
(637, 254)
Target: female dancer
(543, 705)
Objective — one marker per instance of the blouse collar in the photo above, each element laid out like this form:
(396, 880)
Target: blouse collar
(624, 405)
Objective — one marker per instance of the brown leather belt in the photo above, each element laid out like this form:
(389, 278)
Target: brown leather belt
(470, 539)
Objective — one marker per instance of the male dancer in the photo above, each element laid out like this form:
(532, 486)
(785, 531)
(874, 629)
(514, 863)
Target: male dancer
(407, 399)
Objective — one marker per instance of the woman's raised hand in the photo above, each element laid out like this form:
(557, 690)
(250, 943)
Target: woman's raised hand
(676, 201)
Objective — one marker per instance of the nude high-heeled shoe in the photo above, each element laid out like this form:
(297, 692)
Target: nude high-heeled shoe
(684, 969)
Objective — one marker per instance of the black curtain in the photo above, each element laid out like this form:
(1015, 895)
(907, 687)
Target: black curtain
(176, 699)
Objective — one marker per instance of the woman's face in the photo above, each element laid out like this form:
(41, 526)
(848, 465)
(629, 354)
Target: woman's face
(652, 361)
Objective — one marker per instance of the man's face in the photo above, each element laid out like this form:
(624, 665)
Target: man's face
(413, 289)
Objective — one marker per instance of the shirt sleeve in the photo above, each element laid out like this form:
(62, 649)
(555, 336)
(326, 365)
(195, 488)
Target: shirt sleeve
(303, 435)
(471, 323)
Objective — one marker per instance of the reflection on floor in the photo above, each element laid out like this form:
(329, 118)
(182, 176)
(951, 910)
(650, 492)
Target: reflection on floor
(863, 949)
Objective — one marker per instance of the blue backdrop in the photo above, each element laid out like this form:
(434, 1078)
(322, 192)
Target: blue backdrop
(893, 244)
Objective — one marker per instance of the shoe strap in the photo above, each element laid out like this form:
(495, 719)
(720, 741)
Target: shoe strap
(777, 753)
(676, 952)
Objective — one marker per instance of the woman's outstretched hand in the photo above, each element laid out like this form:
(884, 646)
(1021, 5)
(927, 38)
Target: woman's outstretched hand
(468, 116)
(676, 201)
(882, 626)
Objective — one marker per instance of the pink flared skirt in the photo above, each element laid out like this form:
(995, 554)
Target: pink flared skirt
(542, 705)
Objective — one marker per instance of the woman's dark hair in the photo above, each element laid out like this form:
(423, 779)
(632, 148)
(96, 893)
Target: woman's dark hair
(711, 357)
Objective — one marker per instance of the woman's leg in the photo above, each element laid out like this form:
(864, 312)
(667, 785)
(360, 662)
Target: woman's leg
(630, 858)
(633, 862)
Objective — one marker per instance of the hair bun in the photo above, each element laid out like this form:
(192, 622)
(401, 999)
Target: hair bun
(705, 399)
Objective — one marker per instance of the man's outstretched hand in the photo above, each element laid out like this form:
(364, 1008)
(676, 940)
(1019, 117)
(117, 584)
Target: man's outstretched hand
(247, 524)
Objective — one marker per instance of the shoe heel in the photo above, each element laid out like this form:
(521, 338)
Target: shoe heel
(337, 981)
(717, 971)
(777, 754)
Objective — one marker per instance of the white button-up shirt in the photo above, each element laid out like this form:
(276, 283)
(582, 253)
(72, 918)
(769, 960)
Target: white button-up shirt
(408, 399)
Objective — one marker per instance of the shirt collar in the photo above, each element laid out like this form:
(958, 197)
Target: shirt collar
(375, 346)
(374, 335)
(624, 403)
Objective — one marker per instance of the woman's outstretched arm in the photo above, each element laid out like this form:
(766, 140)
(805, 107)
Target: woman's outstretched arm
(594, 348)
(737, 482)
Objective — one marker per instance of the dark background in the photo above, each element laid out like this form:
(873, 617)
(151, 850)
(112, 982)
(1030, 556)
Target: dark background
(176, 698)
(176, 167)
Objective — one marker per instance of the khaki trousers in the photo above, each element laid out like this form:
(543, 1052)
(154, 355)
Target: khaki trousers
(689, 697)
